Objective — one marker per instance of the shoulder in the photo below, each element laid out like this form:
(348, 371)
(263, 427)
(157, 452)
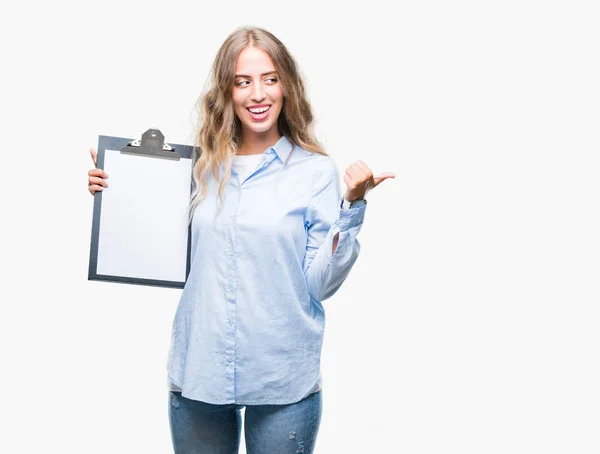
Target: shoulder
(324, 171)
(318, 165)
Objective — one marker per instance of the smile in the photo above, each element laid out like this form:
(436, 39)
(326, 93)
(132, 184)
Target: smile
(259, 114)
(259, 110)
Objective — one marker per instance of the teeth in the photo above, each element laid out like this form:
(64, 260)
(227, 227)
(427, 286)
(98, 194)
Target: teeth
(260, 110)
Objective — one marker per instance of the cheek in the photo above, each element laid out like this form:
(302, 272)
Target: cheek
(279, 93)
(238, 101)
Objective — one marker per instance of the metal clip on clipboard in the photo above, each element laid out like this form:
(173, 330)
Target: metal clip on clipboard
(153, 144)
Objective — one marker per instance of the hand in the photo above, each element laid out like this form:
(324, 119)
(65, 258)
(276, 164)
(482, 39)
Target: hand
(359, 180)
(96, 180)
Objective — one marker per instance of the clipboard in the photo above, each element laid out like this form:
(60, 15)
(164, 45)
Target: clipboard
(140, 229)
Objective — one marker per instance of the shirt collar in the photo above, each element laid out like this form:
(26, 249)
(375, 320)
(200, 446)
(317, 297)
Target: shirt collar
(282, 148)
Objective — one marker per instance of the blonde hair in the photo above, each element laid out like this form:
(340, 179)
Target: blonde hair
(219, 135)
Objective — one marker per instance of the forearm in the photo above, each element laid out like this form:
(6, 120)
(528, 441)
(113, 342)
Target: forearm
(333, 261)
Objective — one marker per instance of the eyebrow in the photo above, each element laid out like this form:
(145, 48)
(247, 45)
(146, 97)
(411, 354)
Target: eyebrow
(244, 75)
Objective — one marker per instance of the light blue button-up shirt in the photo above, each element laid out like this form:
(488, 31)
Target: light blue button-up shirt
(249, 325)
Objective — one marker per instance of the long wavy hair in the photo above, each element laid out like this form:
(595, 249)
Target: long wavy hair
(219, 134)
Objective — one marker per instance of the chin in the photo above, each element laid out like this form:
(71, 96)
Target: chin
(261, 128)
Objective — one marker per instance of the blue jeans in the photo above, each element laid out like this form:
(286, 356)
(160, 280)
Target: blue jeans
(199, 427)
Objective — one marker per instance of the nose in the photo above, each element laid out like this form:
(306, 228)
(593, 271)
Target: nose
(258, 93)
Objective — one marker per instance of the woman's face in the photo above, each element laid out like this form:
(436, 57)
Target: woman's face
(257, 93)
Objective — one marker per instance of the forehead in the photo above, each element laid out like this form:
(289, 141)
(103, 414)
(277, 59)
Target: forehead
(253, 61)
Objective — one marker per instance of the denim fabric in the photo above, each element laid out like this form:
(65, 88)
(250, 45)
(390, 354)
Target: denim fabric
(198, 427)
(249, 325)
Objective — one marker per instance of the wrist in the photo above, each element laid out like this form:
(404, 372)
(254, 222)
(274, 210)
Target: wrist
(352, 197)
(354, 203)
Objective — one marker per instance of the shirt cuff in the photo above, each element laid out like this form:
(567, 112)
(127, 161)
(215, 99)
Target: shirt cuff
(351, 217)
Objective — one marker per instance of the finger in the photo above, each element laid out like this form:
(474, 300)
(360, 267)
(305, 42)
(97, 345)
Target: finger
(98, 181)
(363, 166)
(384, 176)
(366, 171)
(352, 186)
(94, 187)
(355, 172)
(363, 170)
(98, 173)
(94, 154)
(355, 177)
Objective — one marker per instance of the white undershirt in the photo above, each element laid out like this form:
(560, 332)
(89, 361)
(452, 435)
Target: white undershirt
(245, 165)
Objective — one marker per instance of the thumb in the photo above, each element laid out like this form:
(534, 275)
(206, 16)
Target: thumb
(381, 177)
(94, 154)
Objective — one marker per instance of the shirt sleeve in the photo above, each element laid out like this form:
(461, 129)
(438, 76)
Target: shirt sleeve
(325, 272)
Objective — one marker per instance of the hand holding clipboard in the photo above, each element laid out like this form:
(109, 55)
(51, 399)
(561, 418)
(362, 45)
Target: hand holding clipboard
(97, 177)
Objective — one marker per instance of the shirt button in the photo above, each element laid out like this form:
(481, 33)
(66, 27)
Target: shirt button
(230, 358)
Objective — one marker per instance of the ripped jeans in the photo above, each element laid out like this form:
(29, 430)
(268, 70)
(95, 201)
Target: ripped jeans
(199, 427)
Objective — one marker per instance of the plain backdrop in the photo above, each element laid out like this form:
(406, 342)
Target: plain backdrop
(469, 323)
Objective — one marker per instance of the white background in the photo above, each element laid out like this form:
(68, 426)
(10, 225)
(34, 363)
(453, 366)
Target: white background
(469, 323)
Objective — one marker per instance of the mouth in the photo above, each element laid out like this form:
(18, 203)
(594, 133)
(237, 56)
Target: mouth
(259, 114)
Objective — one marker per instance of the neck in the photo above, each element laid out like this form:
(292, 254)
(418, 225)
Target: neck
(258, 143)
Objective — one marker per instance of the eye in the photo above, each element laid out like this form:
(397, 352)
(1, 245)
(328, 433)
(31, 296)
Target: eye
(274, 79)
(239, 84)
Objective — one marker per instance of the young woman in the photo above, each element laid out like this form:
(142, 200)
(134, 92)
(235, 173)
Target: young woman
(272, 238)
